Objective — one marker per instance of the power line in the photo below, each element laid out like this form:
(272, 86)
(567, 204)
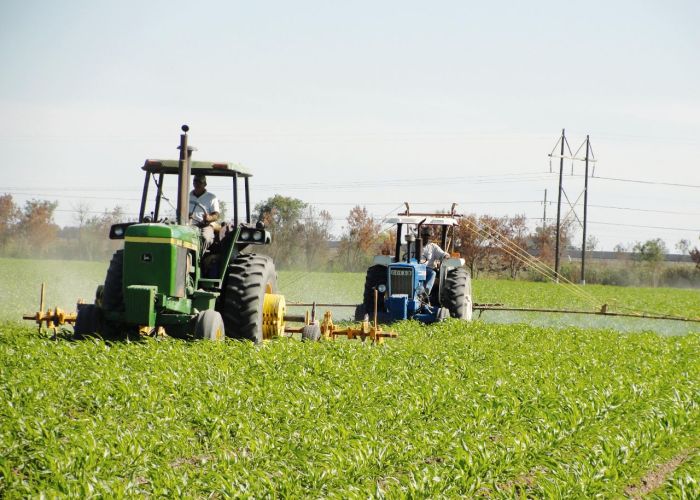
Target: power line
(647, 227)
(631, 209)
(480, 179)
(656, 183)
(312, 184)
(618, 224)
(670, 212)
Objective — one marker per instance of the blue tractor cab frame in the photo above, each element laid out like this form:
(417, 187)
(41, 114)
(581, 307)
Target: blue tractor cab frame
(399, 280)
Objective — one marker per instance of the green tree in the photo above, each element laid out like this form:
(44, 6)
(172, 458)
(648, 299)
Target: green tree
(651, 254)
(282, 216)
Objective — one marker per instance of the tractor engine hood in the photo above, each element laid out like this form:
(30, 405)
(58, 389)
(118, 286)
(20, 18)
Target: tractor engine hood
(160, 255)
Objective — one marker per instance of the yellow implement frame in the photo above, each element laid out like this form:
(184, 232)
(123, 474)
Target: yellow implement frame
(329, 330)
(52, 317)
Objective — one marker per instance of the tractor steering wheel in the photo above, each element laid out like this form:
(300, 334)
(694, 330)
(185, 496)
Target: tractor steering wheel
(203, 222)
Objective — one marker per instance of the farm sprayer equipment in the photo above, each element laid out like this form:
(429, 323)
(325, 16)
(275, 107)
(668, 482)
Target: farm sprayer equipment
(165, 280)
(401, 279)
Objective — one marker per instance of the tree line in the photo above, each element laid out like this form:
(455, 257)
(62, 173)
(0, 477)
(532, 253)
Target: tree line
(302, 239)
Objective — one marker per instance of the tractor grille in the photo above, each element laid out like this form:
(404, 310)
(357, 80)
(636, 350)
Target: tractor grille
(401, 281)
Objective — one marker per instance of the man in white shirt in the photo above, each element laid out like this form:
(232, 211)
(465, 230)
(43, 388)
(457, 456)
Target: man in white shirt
(204, 209)
(432, 256)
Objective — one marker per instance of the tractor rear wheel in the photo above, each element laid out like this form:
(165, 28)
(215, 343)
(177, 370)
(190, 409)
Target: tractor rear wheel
(249, 277)
(456, 293)
(209, 325)
(376, 275)
(113, 293)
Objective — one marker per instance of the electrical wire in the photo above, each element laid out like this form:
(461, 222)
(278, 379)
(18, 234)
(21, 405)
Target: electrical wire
(537, 265)
(655, 183)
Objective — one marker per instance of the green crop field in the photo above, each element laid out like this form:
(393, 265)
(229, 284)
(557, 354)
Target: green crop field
(448, 410)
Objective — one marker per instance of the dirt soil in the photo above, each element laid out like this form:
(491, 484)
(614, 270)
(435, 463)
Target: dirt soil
(655, 478)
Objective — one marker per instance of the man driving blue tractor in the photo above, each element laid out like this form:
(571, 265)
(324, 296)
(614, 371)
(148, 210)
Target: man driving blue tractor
(421, 281)
(432, 256)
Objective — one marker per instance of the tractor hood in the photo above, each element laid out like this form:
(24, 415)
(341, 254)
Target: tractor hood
(187, 236)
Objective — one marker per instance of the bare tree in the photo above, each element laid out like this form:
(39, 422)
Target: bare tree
(695, 256)
(316, 232)
(683, 246)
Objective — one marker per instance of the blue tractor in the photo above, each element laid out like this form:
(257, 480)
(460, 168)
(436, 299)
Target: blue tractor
(395, 286)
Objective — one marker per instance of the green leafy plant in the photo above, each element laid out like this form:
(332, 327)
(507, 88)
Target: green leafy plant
(453, 409)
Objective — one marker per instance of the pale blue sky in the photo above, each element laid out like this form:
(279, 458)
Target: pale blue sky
(448, 101)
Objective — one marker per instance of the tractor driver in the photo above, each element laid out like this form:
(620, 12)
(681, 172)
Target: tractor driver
(432, 256)
(204, 209)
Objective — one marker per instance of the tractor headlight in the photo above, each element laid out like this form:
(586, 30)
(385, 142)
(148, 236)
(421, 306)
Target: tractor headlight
(381, 288)
(257, 235)
(245, 235)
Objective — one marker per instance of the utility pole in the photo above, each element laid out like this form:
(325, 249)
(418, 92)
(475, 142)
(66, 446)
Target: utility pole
(561, 174)
(588, 159)
(544, 215)
(585, 213)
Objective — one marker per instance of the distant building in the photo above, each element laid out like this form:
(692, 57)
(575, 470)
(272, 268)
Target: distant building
(575, 254)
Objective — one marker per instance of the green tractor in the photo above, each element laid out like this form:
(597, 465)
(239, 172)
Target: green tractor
(165, 281)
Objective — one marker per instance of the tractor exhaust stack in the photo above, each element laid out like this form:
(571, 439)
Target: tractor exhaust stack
(183, 181)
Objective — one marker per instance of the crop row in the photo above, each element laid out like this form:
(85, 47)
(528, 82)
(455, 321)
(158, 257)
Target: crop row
(452, 409)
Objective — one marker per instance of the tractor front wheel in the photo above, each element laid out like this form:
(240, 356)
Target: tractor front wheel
(87, 321)
(209, 325)
(113, 293)
(376, 275)
(311, 332)
(456, 293)
(249, 277)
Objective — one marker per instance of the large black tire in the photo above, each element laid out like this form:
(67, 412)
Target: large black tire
(455, 290)
(87, 321)
(376, 275)
(248, 278)
(113, 292)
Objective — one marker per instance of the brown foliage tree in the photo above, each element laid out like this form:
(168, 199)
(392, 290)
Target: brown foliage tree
(9, 217)
(478, 240)
(36, 227)
(543, 241)
(695, 255)
(387, 243)
(513, 250)
(360, 241)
